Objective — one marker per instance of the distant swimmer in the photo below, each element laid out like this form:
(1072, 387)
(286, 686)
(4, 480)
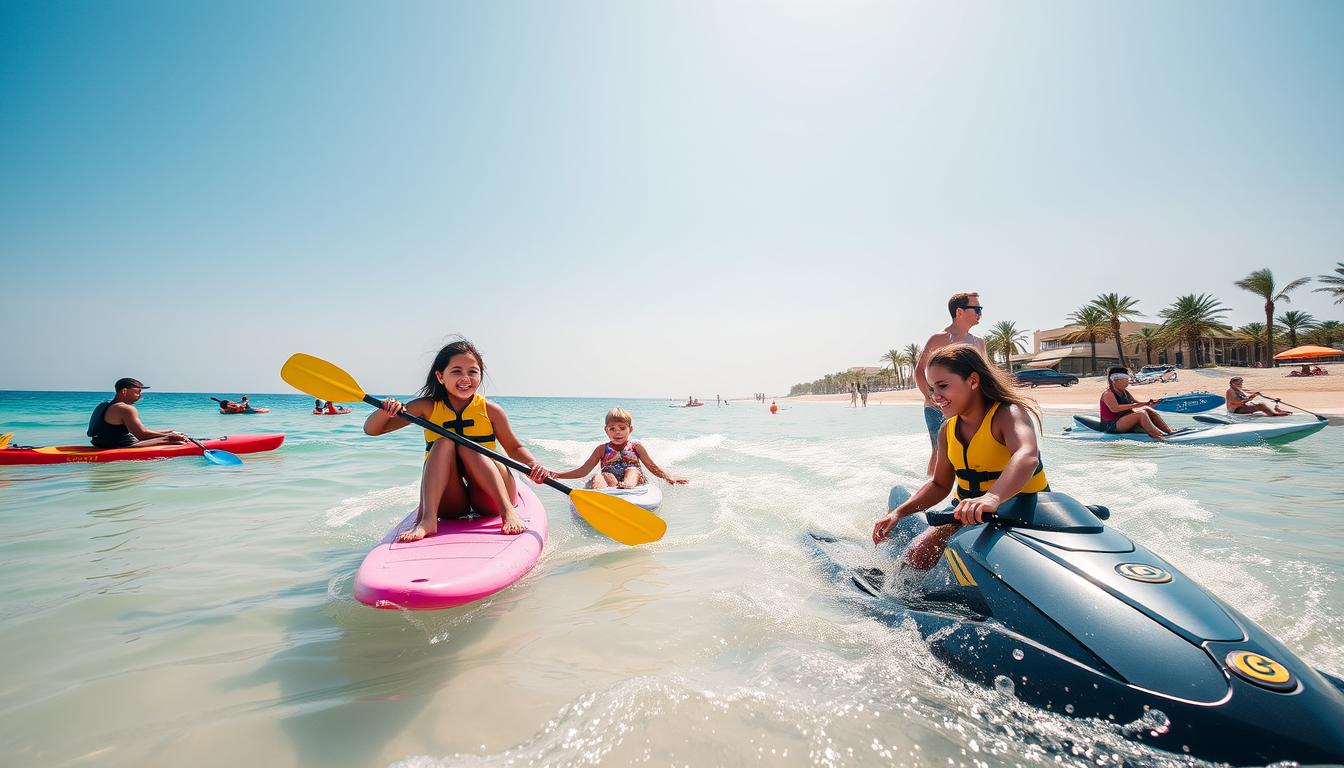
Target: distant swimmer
(116, 423)
(774, 408)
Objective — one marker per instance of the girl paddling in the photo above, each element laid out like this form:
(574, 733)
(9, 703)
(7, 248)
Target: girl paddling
(457, 479)
(987, 450)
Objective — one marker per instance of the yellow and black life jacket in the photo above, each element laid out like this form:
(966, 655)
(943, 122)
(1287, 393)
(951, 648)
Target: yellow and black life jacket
(980, 462)
(472, 422)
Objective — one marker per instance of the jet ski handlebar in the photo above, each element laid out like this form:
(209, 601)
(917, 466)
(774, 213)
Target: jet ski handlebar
(1041, 511)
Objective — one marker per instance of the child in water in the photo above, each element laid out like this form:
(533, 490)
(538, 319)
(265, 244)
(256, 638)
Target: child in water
(457, 479)
(987, 449)
(620, 458)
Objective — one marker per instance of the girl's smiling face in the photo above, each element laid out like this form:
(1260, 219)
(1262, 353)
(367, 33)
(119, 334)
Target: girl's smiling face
(951, 393)
(618, 432)
(461, 377)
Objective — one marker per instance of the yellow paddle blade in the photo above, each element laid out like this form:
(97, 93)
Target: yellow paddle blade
(617, 518)
(5, 438)
(318, 378)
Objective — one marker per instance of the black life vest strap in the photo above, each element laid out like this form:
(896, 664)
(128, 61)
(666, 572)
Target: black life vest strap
(976, 480)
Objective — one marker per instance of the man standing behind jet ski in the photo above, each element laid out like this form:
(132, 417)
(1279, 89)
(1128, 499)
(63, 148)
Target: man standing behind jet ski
(987, 449)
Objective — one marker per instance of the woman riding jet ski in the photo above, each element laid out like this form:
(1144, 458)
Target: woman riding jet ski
(1034, 595)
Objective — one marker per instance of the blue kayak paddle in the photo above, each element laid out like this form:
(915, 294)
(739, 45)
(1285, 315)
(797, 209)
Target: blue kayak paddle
(218, 458)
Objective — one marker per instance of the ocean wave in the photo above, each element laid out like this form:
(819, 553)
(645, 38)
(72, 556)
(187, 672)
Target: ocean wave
(398, 497)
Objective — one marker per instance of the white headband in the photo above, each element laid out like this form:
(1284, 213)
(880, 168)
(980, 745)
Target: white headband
(1118, 376)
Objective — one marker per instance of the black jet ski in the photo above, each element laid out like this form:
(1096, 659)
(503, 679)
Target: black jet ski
(1047, 603)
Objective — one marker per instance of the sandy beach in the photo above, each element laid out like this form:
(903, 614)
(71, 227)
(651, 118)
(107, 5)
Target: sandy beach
(1322, 394)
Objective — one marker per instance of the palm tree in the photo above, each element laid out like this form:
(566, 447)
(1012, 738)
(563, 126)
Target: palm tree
(1007, 340)
(1327, 333)
(1294, 321)
(1093, 325)
(1191, 318)
(1261, 283)
(912, 353)
(896, 360)
(1117, 309)
(1334, 284)
(1255, 334)
(1146, 338)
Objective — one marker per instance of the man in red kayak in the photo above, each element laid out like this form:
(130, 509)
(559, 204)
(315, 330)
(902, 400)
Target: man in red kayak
(116, 423)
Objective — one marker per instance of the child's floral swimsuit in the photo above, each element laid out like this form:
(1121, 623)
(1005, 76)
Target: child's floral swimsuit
(618, 461)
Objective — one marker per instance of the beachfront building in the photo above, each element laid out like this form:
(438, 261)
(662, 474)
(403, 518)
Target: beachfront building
(872, 376)
(1056, 348)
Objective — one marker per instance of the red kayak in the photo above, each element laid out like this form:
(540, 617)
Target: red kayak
(63, 454)
(337, 412)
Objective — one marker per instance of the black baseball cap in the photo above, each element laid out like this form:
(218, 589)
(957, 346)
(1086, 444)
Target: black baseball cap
(128, 383)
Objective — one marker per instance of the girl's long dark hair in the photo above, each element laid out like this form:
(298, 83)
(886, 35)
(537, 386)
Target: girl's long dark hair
(964, 359)
(433, 388)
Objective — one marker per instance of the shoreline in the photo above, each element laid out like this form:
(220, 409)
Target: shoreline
(1321, 394)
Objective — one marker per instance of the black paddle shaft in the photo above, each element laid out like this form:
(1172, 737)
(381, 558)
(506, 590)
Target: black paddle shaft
(1290, 405)
(473, 445)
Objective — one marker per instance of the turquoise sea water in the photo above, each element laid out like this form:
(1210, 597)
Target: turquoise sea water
(170, 613)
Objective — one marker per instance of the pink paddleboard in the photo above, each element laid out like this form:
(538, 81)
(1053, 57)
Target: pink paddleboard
(464, 561)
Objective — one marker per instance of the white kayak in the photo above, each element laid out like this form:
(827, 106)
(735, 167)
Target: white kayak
(1241, 433)
(647, 496)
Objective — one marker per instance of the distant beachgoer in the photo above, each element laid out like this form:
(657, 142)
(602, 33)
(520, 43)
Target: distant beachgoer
(863, 395)
(620, 458)
(1317, 370)
(456, 479)
(773, 407)
(965, 309)
(987, 452)
(717, 400)
(853, 395)
(1120, 412)
(1239, 401)
(116, 423)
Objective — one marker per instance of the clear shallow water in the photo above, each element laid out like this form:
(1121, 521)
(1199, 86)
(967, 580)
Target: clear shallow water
(170, 612)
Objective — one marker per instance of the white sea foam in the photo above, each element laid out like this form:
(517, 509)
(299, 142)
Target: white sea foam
(397, 497)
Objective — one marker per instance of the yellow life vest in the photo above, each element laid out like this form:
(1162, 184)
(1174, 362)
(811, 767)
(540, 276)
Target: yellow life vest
(472, 422)
(984, 459)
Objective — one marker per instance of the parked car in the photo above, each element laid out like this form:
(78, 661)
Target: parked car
(1035, 377)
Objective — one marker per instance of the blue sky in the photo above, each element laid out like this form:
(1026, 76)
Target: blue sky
(629, 198)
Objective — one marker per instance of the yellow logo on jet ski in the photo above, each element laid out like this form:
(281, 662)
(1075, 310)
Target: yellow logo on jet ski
(1148, 574)
(959, 569)
(1261, 670)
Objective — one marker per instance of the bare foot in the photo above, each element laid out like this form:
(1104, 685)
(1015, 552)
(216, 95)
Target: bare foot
(512, 524)
(415, 534)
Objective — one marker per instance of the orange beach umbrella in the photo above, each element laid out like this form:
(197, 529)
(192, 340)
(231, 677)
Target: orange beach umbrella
(1308, 352)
